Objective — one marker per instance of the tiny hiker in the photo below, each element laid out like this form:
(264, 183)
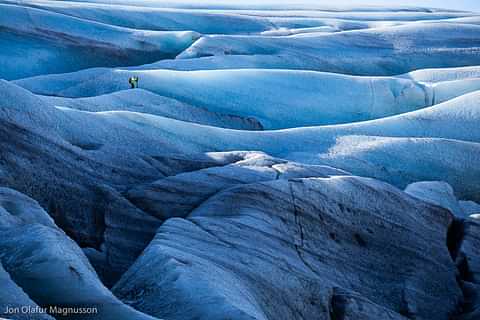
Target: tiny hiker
(133, 82)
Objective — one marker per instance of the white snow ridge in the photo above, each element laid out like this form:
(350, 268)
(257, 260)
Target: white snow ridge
(272, 161)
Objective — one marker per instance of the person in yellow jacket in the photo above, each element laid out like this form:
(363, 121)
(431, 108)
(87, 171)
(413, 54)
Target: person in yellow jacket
(133, 82)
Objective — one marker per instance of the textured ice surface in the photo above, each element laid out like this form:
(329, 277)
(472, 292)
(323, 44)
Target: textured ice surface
(48, 266)
(45, 42)
(229, 185)
(287, 98)
(261, 250)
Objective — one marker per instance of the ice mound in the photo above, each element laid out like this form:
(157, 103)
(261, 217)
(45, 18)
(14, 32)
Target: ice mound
(50, 268)
(382, 51)
(142, 101)
(252, 260)
(36, 43)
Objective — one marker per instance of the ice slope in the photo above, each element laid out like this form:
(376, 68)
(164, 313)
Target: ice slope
(382, 51)
(271, 5)
(470, 207)
(470, 288)
(162, 19)
(287, 99)
(442, 194)
(103, 151)
(438, 193)
(143, 101)
(179, 195)
(440, 121)
(83, 190)
(13, 296)
(16, 208)
(469, 251)
(469, 20)
(224, 21)
(35, 42)
(41, 48)
(387, 148)
(81, 176)
(316, 248)
(49, 266)
(378, 14)
(306, 26)
(183, 299)
(443, 74)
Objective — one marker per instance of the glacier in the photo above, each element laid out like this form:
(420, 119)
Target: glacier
(277, 160)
